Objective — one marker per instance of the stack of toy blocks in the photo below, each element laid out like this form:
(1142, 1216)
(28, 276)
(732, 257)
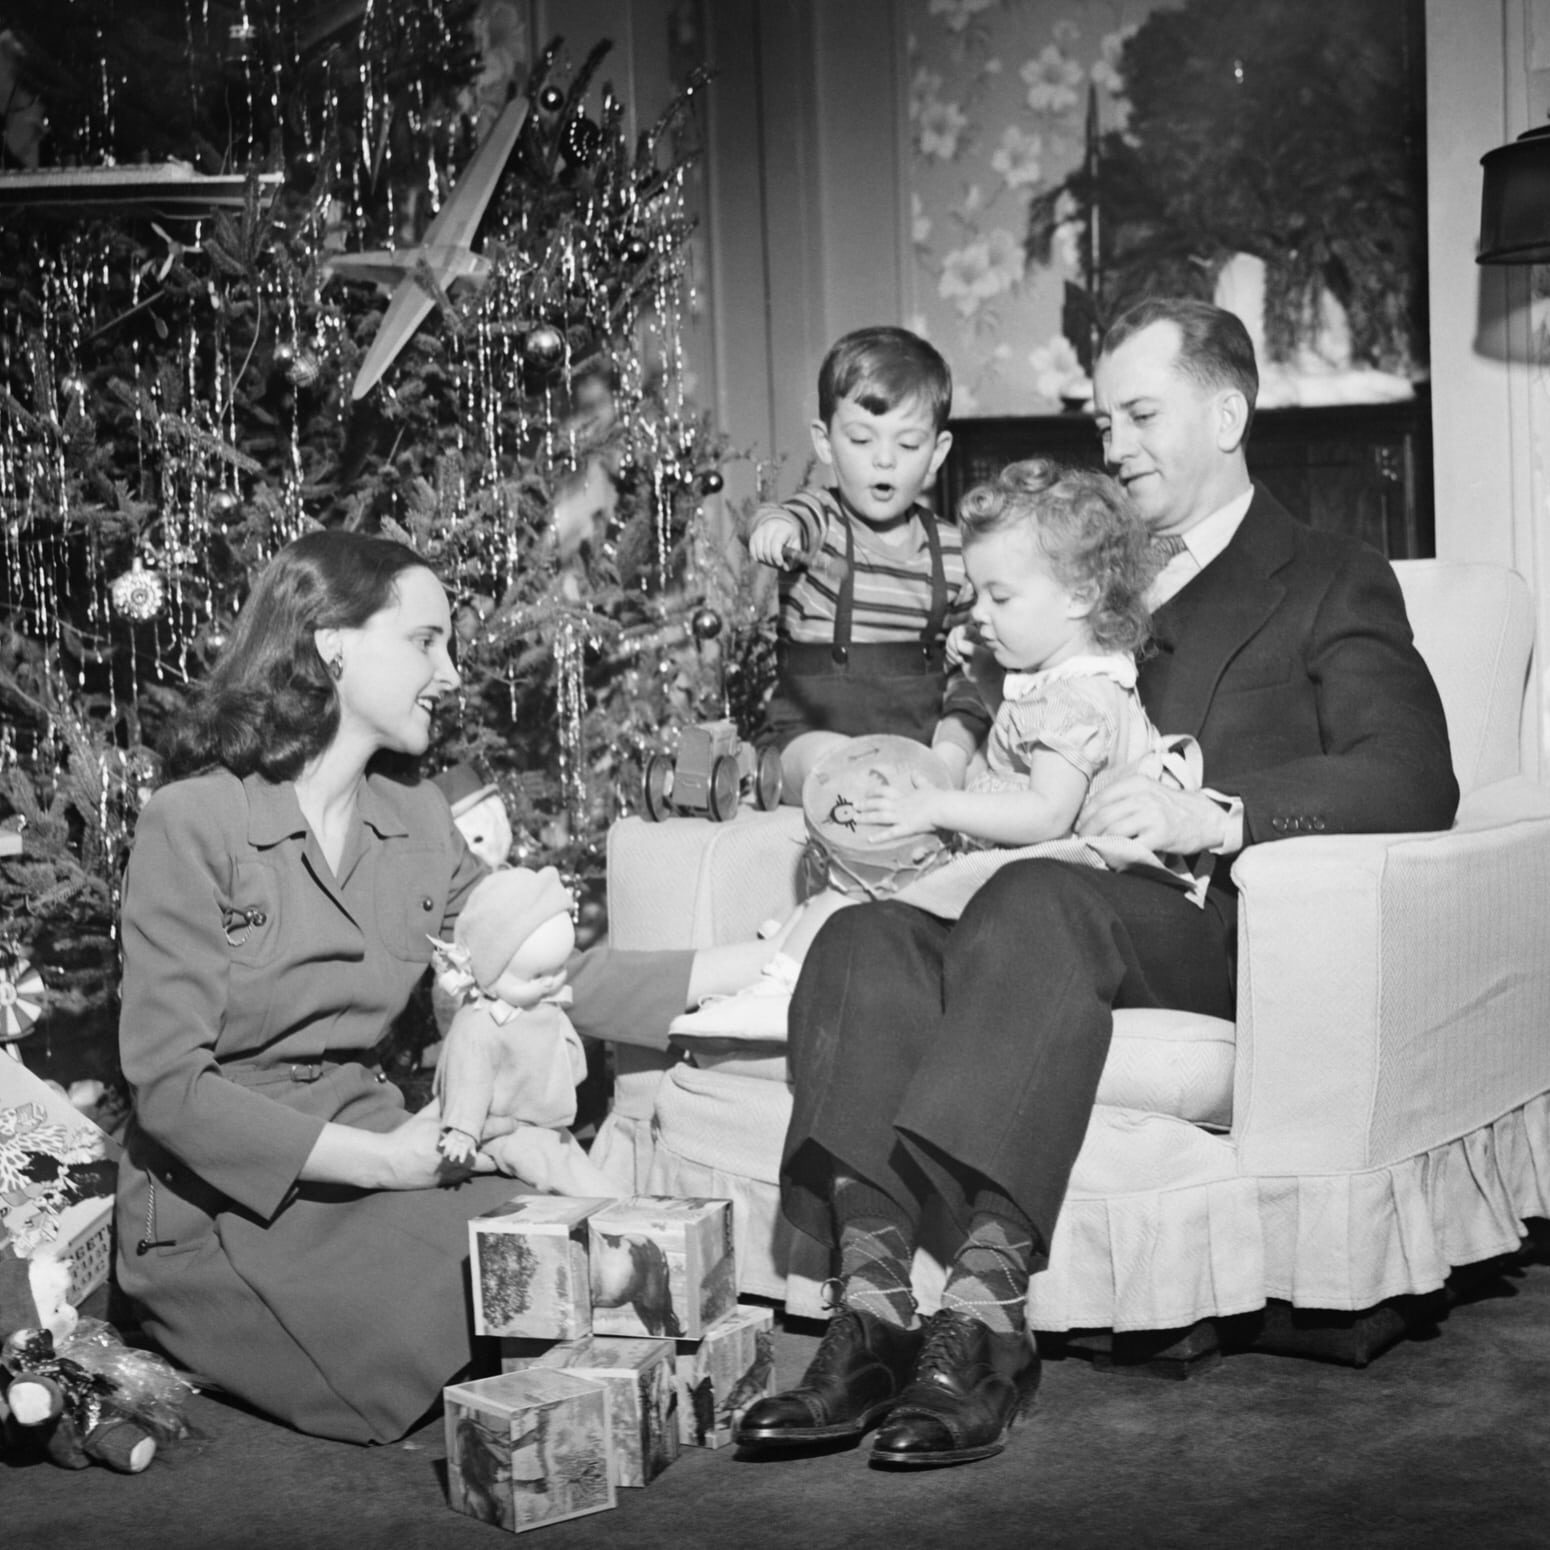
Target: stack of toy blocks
(621, 1341)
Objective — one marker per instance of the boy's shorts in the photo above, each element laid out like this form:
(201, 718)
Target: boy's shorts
(878, 687)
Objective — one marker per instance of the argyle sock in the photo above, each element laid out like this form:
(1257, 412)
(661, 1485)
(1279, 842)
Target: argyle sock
(877, 1238)
(988, 1278)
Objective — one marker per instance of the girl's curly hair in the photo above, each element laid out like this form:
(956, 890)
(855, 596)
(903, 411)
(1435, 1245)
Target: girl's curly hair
(268, 704)
(1091, 534)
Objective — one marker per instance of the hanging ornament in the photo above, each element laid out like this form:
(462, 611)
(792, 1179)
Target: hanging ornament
(551, 99)
(303, 368)
(706, 624)
(73, 386)
(241, 38)
(543, 348)
(581, 142)
(711, 481)
(223, 504)
(637, 250)
(139, 593)
(22, 994)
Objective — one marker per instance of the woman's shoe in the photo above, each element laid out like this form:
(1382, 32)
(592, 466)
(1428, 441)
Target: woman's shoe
(970, 1384)
(855, 1376)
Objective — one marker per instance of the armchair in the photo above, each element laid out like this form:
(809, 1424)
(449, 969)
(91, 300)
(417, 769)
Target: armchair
(1377, 1114)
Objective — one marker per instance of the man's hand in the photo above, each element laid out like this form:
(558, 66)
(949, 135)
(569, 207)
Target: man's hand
(775, 540)
(1163, 818)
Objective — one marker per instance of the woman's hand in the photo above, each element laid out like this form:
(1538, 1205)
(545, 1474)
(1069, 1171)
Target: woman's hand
(412, 1160)
(404, 1158)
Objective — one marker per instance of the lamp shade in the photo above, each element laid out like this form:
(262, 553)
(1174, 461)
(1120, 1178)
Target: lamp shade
(1515, 201)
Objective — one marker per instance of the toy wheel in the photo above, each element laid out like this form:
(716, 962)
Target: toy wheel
(654, 787)
(767, 780)
(724, 788)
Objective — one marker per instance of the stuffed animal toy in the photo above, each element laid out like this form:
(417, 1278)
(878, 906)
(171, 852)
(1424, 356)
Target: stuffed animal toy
(71, 1385)
(511, 1059)
(479, 811)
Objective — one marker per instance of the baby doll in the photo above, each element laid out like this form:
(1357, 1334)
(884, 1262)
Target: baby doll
(511, 1059)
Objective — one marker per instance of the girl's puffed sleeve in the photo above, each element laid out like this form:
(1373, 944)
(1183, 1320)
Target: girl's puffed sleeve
(174, 999)
(1065, 717)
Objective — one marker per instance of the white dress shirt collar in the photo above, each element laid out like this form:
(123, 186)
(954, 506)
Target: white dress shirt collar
(1202, 543)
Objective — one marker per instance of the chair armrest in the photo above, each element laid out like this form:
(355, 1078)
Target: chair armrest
(688, 882)
(1394, 990)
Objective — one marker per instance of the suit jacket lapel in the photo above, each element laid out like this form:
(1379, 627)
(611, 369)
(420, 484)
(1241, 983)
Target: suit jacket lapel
(1199, 630)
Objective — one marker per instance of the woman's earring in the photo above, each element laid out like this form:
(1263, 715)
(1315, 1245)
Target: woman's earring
(336, 668)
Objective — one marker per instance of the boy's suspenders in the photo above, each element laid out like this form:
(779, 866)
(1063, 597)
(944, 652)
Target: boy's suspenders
(845, 604)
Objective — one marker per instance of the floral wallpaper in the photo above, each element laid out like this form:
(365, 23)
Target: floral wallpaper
(1000, 97)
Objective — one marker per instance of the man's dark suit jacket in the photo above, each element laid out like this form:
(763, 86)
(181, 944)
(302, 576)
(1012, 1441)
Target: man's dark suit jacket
(1290, 659)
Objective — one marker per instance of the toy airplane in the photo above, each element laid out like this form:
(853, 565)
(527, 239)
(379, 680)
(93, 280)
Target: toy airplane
(443, 250)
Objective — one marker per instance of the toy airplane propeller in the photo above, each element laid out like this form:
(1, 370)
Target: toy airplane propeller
(444, 251)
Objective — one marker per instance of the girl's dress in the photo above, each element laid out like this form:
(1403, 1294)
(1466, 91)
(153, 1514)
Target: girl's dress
(1087, 710)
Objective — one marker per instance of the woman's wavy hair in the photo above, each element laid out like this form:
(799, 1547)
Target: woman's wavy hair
(268, 704)
(1086, 526)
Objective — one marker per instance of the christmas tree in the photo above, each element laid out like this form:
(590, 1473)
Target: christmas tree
(393, 269)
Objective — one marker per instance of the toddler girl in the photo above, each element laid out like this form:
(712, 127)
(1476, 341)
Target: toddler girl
(1060, 562)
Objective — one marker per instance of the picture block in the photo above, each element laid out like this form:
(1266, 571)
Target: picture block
(528, 1261)
(526, 1449)
(661, 1265)
(721, 1374)
(641, 1376)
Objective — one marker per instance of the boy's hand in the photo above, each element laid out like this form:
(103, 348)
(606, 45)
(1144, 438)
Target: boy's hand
(961, 644)
(897, 812)
(776, 539)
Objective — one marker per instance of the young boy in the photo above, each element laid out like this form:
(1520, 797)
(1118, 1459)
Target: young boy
(872, 580)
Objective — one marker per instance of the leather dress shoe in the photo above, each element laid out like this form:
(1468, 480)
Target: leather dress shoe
(860, 1366)
(969, 1385)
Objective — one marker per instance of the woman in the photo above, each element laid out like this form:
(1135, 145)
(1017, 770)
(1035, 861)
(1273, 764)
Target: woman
(288, 1231)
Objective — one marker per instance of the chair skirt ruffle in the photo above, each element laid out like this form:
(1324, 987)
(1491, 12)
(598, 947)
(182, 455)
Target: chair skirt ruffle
(1159, 1229)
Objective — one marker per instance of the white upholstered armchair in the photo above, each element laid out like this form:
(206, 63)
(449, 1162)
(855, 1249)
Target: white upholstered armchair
(1377, 1114)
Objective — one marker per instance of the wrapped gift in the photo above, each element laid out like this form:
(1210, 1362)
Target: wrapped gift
(661, 1266)
(57, 1176)
(525, 1449)
(529, 1268)
(722, 1373)
(640, 1374)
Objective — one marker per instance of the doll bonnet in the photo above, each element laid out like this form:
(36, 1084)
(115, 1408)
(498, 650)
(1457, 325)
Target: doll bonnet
(503, 911)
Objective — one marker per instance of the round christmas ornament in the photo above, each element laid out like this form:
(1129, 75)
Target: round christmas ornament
(73, 386)
(139, 593)
(22, 994)
(543, 348)
(637, 250)
(856, 861)
(711, 482)
(706, 624)
(223, 503)
(551, 99)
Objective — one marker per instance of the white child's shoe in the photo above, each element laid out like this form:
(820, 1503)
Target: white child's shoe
(757, 1012)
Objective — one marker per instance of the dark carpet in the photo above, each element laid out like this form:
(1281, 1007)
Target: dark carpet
(1442, 1441)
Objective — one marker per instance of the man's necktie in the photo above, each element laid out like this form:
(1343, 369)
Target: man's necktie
(1164, 546)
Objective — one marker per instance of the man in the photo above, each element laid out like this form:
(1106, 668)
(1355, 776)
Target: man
(957, 1062)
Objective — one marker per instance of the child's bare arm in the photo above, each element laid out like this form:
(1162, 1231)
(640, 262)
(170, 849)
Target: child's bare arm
(1045, 809)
